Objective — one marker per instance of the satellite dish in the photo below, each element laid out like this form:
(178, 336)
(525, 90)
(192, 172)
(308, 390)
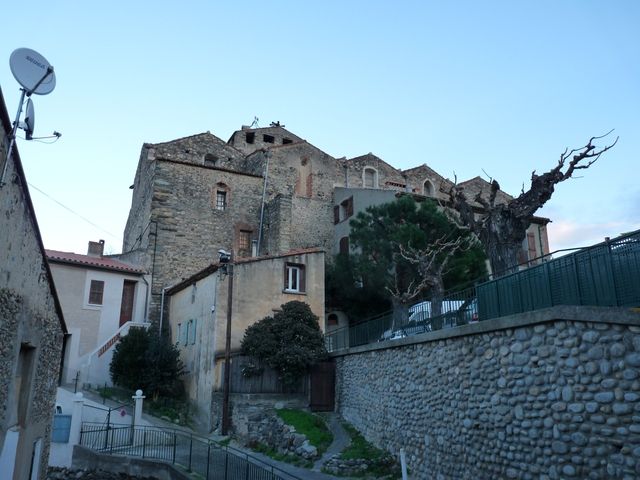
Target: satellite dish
(29, 120)
(32, 71)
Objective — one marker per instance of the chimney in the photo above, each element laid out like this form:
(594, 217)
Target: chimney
(96, 249)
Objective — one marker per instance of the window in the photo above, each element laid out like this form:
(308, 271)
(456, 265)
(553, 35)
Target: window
(244, 243)
(210, 160)
(346, 208)
(250, 137)
(95, 292)
(427, 188)
(294, 280)
(221, 200)
(336, 214)
(192, 332)
(332, 319)
(286, 141)
(344, 245)
(268, 138)
(370, 178)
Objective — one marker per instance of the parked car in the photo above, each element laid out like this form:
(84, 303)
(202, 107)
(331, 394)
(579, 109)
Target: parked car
(452, 313)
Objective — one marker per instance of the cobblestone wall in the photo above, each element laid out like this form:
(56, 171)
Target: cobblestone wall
(553, 400)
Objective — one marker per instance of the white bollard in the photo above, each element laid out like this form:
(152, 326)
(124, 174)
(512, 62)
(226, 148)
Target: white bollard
(403, 464)
(74, 429)
(137, 415)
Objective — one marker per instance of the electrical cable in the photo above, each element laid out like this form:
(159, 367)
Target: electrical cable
(73, 212)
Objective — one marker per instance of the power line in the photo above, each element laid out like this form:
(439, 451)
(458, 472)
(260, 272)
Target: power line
(73, 212)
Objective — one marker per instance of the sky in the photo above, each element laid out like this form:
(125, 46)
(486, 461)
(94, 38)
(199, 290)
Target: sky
(494, 88)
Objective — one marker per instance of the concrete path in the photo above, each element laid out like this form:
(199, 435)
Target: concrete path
(341, 440)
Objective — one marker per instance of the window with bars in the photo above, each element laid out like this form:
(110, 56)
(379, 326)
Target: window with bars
(221, 200)
(96, 292)
(244, 243)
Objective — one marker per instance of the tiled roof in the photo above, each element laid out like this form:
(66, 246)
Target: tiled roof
(105, 263)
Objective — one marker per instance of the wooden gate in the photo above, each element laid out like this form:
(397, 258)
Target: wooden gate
(323, 387)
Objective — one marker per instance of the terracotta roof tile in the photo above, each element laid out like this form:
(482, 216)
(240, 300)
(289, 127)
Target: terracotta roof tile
(105, 263)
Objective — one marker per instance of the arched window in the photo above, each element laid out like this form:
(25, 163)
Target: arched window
(370, 177)
(210, 160)
(428, 189)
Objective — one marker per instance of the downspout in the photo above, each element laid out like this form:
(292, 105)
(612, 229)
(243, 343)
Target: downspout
(146, 300)
(161, 312)
(264, 194)
(346, 175)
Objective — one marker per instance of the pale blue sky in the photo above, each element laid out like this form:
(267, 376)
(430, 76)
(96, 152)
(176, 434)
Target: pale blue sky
(463, 86)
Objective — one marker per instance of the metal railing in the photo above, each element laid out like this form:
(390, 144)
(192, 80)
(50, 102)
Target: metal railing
(605, 274)
(457, 308)
(195, 454)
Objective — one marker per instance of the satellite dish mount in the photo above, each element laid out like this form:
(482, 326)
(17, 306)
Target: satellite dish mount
(32, 71)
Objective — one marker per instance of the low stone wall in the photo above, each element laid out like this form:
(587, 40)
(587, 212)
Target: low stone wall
(550, 395)
(85, 459)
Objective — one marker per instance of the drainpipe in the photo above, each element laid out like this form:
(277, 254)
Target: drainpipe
(264, 194)
(146, 300)
(161, 312)
(346, 175)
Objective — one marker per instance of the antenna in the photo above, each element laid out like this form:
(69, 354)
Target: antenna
(32, 71)
(29, 120)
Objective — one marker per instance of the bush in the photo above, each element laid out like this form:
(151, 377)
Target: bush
(289, 342)
(143, 359)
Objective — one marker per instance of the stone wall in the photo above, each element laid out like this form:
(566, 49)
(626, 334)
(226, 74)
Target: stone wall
(553, 397)
(31, 327)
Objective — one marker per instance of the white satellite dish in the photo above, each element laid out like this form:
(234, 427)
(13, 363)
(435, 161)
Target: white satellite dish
(32, 71)
(29, 120)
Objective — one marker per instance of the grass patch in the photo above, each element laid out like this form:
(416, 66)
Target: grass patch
(310, 425)
(382, 465)
(282, 457)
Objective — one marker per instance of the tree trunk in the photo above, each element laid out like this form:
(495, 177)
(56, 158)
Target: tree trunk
(400, 314)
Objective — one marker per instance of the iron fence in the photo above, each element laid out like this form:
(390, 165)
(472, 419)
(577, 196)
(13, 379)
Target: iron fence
(457, 308)
(606, 274)
(195, 454)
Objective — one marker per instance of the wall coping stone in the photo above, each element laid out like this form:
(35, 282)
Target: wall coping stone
(591, 314)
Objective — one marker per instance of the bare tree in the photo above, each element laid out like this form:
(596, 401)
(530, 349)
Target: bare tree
(502, 227)
(430, 264)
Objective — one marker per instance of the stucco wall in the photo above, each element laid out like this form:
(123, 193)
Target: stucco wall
(257, 293)
(549, 398)
(91, 326)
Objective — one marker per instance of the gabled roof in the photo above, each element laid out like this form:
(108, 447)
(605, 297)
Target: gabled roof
(101, 263)
(478, 184)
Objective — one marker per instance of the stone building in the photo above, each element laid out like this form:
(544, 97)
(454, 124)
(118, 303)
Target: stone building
(198, 306)
(263, 192)
(32, 327)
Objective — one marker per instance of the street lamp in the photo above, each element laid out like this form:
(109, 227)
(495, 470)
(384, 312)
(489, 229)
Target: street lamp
(226, 260)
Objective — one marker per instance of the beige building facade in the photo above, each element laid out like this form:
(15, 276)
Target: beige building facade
(197, 311)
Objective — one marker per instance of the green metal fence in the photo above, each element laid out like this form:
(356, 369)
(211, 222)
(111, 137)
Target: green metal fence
(606, 274)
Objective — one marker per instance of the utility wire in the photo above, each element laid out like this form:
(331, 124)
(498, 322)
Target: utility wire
(75, 213)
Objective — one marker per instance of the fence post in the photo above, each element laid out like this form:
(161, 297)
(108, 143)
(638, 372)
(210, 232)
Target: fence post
(137, 414)
(208, 455)
(190, 451)
(174, 447)
(610, 273)
(75, 430)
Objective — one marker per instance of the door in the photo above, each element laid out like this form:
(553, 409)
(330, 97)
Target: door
(323, 380)
(126, 308)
